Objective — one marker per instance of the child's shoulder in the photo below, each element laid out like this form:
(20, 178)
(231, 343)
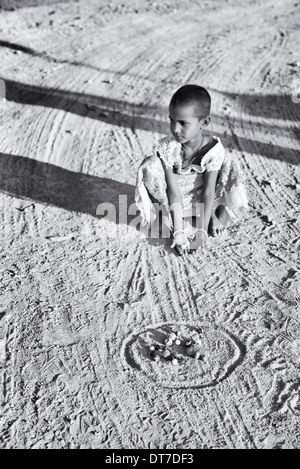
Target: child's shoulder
(218, 146)
(213, 159)
(168, 143)
(168, 150)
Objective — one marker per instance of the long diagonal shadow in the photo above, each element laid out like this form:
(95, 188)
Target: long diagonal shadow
(112, 111)
(275, 106)
(49, 184)
(43, 55)
(139, 116)
(9, 5)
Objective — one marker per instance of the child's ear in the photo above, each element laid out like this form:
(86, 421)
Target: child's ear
(205, 121)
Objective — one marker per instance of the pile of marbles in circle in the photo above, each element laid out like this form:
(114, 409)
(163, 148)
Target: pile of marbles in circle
(191, 346)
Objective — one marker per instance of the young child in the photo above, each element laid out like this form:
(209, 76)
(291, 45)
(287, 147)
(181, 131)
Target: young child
(199, 189)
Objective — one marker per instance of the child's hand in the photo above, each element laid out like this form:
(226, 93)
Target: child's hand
(181, 243)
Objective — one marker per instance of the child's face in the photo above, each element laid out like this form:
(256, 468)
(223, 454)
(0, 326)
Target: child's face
(184, 124)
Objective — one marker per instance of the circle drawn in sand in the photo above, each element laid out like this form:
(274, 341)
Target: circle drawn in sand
(221, 353)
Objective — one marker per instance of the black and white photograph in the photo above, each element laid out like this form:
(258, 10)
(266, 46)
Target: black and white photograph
(150, 227)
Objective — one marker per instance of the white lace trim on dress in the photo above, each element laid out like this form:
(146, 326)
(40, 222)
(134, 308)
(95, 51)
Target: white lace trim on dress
(169, 152)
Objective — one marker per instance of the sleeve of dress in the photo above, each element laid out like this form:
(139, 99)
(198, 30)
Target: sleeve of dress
(214, 159)
(168, 150)
(142, 199)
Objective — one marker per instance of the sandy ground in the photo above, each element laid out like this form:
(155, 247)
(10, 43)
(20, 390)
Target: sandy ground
(87, 85)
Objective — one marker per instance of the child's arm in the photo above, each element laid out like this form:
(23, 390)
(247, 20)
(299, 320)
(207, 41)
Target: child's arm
(175, 203)
(208, 196)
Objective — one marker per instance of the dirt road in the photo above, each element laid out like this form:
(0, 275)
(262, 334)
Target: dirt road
(87, 89)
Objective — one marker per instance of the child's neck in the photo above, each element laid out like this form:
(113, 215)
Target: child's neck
(190, 147)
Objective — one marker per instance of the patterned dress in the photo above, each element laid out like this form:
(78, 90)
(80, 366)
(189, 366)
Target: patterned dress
(151, 185)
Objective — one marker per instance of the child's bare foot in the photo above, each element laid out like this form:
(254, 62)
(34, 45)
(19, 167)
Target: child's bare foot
(216, 228)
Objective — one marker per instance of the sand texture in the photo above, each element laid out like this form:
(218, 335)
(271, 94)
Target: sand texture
(86, 88)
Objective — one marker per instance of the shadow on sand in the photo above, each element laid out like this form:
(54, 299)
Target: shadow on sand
(49, 184)
(153, 118)
(27, 178)
(15, 4)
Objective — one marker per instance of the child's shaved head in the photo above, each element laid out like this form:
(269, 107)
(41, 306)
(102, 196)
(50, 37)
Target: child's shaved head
(193, 95)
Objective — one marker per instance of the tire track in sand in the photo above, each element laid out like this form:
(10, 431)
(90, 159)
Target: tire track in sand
(147, 284)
